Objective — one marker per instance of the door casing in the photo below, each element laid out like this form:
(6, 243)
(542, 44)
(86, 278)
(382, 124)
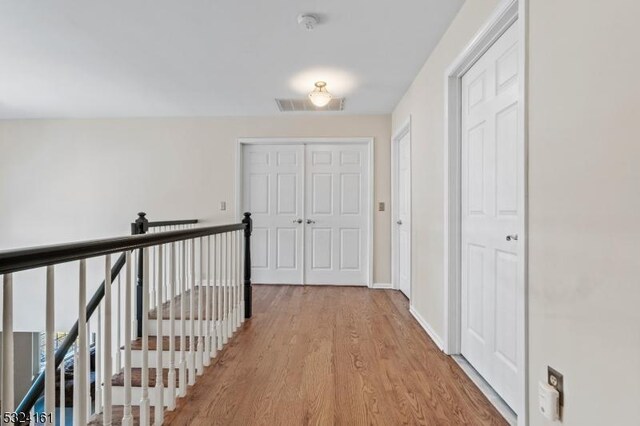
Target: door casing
(368, 141)
(508, 13)
(404, 130)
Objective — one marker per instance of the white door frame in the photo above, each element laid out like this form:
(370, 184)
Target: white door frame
(405, 129)
(368, 141)
(509, 12)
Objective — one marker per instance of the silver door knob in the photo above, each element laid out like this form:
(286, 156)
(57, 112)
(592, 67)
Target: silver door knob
(399, 222)
(297, 220)
(309, 221)
(512, 237)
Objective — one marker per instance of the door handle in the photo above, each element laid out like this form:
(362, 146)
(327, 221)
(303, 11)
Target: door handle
(309, 221)
(399, 222)
(297, 220)
(513, 237)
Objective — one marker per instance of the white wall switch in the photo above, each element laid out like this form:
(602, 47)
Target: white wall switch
(223, 205)
(549, 401)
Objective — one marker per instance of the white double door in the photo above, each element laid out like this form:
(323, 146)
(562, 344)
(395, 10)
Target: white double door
(491, 187)
(310, 209)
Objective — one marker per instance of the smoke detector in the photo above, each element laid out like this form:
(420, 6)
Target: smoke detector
(307, 21)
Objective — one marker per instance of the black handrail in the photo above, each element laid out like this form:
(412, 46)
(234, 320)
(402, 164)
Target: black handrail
(36, 257)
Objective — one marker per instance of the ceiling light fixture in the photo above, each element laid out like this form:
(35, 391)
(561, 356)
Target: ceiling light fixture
(320, 97)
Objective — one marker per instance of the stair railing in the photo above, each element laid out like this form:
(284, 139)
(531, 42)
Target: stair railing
(219, 299)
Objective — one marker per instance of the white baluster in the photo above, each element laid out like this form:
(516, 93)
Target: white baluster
(63, 402)
(108, 366)
(183, 321)
(214, 302)
(144, 401)
(76, 383)
(234, 281)
(201, 295)
(88, 369)
(242, 295)
(236, 244)
(192, 322)
(237, 269)
(152, 297)
(237, 264)
(81, 369)
(232, 312)
(98, 361)
(127, 418)
(220, 299)
(119, 326)
(207, 311)
(168, 254)
(134, 296)
(241, 276)
(172, 333)
(8, 399)
(159, 407)
(50, 371)
(229, 287)
(223, 284)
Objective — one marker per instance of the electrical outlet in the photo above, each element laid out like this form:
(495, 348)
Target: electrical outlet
(554, 378)
(381, 206)
(223, 205)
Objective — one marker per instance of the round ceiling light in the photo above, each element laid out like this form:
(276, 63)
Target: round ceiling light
(320, 97)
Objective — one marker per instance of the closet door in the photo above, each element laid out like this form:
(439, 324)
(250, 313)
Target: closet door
(490, 252)
(272, 191)
(336, 207)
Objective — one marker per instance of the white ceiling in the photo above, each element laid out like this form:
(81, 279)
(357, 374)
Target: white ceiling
(124, 58)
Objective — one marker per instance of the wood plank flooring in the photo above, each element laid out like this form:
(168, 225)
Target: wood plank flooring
(332, 356)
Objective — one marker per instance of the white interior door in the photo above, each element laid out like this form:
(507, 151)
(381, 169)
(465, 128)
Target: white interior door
(272, 191)
(490, 215)
(403, 214)
(336, 206)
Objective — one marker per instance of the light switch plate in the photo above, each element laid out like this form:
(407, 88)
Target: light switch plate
(381, 206)
(223, 205)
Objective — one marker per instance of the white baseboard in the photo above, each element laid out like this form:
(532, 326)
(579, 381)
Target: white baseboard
(427, 328)
(387, 286)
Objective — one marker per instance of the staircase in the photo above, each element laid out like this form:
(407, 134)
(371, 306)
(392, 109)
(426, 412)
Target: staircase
(173, 385)
(192, 283)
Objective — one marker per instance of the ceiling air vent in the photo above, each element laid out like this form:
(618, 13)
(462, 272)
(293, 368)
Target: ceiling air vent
(295, 105)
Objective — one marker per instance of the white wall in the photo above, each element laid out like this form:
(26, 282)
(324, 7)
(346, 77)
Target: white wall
(424, 102)
(26, 350)
(66, 180)
(584, 195)
(584, 199)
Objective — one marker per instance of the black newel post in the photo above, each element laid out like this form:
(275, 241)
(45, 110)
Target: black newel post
(139, 227)
(247, 263)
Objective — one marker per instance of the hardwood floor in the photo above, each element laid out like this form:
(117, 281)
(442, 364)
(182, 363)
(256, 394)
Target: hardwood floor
(332, 356)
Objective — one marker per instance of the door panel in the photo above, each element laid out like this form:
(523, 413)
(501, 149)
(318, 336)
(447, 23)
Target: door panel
(322, 194)
(272, 180)
(490, 191)
(337, 247)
